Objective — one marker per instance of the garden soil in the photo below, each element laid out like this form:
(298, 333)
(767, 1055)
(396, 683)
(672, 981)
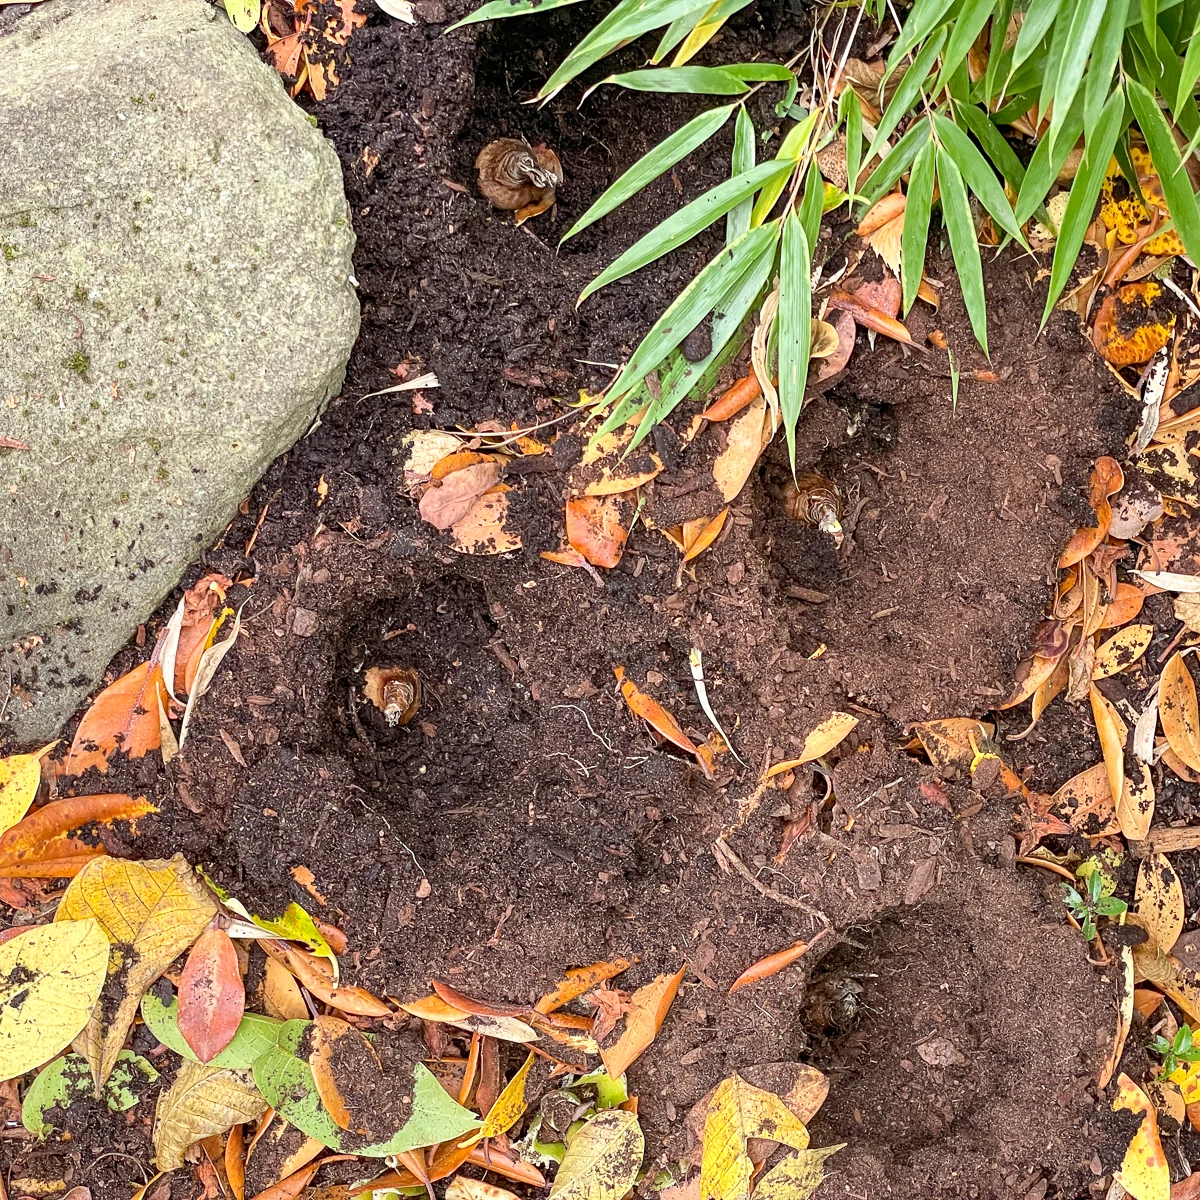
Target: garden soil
(523, 821)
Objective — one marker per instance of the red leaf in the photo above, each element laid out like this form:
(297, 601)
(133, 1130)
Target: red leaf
(212, 997)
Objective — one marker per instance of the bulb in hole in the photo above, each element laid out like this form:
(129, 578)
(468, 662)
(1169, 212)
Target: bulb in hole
(395, 691)
(816, 503)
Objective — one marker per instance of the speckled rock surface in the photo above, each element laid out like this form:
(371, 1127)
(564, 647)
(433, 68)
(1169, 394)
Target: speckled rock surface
(176, 307)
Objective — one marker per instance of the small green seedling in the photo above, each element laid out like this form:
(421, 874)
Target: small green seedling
(1176, 1050)
(1094, 901)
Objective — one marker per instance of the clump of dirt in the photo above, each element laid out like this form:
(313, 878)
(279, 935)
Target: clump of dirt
(523, 821)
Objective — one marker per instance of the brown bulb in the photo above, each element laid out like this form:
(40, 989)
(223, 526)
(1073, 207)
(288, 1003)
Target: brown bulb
(395, 691)
(514, 175)
(816, 503)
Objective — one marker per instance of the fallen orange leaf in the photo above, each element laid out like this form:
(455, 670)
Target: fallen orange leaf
(201, 603)
(648, 1008)
(698, 535)
(35, 848)
(308, 970)
(772, 964)
(871, 318)
(595, 529)
(734, 399)
(577, 981)
(212, 997)
(657, 717)
(326, 1033)
(124, 716)
(1106, 480)
(884, 210)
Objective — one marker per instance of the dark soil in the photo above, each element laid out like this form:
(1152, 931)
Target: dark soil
(523, 821)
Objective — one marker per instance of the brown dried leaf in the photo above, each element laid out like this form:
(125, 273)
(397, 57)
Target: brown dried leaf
(871, 318)
(449, 500)
(648, 1009)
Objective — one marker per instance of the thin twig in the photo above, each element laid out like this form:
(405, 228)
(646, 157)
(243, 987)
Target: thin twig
(726, 857)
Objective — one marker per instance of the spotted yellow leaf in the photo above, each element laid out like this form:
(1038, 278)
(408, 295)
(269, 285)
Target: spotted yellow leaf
(150, 912)
(508, 1108)
(1158, 900)
(1124, 214)
(1143, 1173)
(50, 980)
(797, 1176)
(1122, 650)
(20, 775)
(202, 1101)
(602, 1160)
(736, 1113)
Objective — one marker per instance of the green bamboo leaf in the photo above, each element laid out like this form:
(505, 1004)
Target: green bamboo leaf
(964, 244)
(497, 9)
(1190, 72)
(1055, 55)
(1081, 36)
(692, 305)
(792, 151)
(729, 317)
(1164, 153)
(679, 29)
(794, 325)
(629, 20)
(696, 81)
(992, 140)
(1046, 163)
(918, 25)
(1161, 73)
(812, 205)
(910, 86)
(683, 225)
(654, 163)
(1149, 11)
(1038, 18)
(1105, 53)
(979, 176)
(895, 162)
(968, 25)
(916, 223)
(1097, 152)
(850, 110)
(738, 219)
(761, 72)
(1017, 106)
(996, 51)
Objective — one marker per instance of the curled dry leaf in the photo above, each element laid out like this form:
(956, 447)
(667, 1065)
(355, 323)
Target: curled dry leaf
(504, 1028)
(1143, 1172)
(884, 226)
(50, 980)
(509, 1107)
(1112, 732)
(281, 993)
(870, 317)
(202, 1101)
(484, 529)
(648, 1009)
(1178, 711)
(824, 341)
(1124, 1015)
(657, 717)
(749, 436)
(124, 716)
(844, 326)
(830, 733)
(1107, 479)
(698, 535)
(448, 500)
(1032, 673)
(735, 397)
(596, 530)
(191, 630)
(1132, 324)
(212, 997)
(356, 1060)
(1158, 900)
(577, 981)
(1122, 650)
(36, 848)
(772, 964)
(514, 175)
(150, 911)
(317, 977)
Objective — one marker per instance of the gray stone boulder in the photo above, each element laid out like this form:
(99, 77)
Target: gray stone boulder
(176, 307)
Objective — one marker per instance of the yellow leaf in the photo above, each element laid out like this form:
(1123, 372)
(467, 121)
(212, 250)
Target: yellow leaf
(797, 1176)
(648, 1008)
(20, 777)
(1124, 1015)
(604, 470)
(1158, 900)
(1122, 650)
(1187, 1077)
(700, 36)
(508, 1108)
(886, 242)
(952, 743)
(50, 980)
(243, 13)
(202, 1101)
(830, 733)
(507, 1029)
(736, 1113)
(1112, 733)
(462, 1187)
(699, 535)
(602, 1160)
(1135, 810)
(150, 912)
(1177, 710)
(824, 340)
(1143, 1173)
(749, 434)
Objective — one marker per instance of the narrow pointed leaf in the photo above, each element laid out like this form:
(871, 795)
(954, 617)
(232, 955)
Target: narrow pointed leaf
(979, 176)
(1038, 18)
(700, 81)
(895, 163)
(1098, 82)
(910, 86)
(812, 205)
(916, 224)
(1003, 157)
(956, 212)
(996, 50)
(967, 26)
(1084, 192)
(1045, 165)
(791, 150)
(496, 9)
(851, 106)
(654, 163)
(683, 225)
(918, 25)
(737, 221)
(1176, 184)
(1081, 36)
(1190, 72)
(794, 324)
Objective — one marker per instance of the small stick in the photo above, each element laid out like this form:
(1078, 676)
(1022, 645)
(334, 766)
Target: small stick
(726, 857)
